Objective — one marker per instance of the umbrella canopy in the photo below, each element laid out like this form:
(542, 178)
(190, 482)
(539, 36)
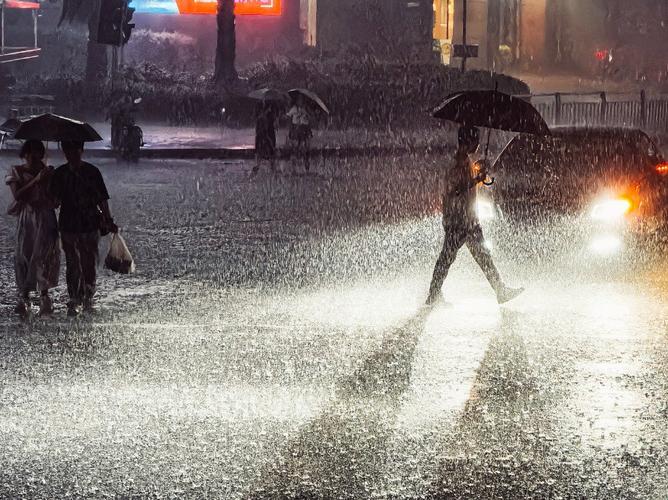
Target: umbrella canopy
(311, 97)
(268, 95)
(492, 109)
(10, 126)
(50, 127)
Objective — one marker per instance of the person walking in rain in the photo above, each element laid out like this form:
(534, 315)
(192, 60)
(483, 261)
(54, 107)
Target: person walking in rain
(120, 115)
(37, 257)
(300, 130)
(84, 214)
(461, 223)
(265, 137)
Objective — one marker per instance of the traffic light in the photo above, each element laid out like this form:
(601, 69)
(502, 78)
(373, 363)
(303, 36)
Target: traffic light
(126, 25)
(112, 24)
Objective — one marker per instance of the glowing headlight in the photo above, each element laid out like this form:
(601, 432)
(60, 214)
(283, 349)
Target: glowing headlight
(485, 210)
(611, 210)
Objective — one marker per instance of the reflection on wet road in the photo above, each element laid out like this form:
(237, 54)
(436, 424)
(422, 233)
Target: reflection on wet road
(182, 387)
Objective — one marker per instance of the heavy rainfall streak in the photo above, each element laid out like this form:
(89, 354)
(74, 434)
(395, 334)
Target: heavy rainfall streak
(363, 249)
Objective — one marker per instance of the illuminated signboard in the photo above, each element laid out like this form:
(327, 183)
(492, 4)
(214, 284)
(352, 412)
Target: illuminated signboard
(243, 7)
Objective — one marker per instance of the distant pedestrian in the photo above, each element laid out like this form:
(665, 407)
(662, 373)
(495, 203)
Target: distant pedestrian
(265, 136)
(120, 114)
(84, 215)
(460, 220)
(37, 257)
(300, 133)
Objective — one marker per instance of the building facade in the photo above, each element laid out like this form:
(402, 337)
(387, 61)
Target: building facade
(543, 35)
(390, 29)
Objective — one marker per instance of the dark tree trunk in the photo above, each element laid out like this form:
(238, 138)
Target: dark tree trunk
(96, 63)
(225, 71)
(96, 57)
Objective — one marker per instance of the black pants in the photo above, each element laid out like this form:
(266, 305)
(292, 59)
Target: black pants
(81, 262)
(455, 237)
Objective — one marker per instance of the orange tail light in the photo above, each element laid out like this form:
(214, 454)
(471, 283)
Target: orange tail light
(662, 168)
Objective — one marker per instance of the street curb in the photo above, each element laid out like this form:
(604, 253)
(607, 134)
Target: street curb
(249, 153)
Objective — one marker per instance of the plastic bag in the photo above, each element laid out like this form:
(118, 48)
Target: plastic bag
(119, 259)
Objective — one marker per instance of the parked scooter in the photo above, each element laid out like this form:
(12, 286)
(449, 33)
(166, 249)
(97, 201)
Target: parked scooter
(604, 63)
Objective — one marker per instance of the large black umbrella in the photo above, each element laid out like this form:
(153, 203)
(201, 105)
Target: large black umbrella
(312, 97)
(492, 109)
(56, 128)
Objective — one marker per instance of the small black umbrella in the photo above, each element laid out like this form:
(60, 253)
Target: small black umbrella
(311, 97)
(10, 126)
(56, 128)
(492, 109)
(268, 95)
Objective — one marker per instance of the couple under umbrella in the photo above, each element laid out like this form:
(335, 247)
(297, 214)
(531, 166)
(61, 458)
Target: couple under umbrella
(78, 189)
(269, 102)
(491, 110)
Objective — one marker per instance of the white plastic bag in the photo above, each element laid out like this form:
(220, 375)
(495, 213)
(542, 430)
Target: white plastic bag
(119, 259)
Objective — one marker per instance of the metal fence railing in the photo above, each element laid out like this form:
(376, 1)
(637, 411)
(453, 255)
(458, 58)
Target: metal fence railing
(649, 112)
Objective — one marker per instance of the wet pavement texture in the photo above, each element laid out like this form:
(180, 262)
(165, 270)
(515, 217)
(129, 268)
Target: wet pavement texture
(273, 344)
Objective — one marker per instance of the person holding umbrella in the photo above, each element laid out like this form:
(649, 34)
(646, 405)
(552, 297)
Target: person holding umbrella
(37, 257)
(84, 216)
(490, 109)
(301, 133)
(265, 136)
(460, 220)
(267, 101)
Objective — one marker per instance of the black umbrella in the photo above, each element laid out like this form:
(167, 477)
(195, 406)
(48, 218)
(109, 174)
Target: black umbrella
(268, 95)
(10, 126)
(56, 128)
(492, 109)
(311, 97)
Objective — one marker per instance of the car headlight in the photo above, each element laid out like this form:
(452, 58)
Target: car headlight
(485, 210)
(611, 210)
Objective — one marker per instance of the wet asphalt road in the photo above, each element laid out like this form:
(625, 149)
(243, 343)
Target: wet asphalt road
(273, 345)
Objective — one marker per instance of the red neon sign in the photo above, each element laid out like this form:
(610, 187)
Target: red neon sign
(19, 4)
(242, 7)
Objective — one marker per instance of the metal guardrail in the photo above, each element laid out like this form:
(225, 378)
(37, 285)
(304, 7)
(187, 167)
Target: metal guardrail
(648, 112)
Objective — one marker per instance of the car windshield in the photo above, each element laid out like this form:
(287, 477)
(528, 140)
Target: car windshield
(579, 154)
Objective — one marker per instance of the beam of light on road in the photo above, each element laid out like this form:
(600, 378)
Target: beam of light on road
(606, 245)
(605, 406)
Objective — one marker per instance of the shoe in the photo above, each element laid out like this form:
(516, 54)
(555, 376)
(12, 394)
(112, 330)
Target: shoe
(45, 306)
(506, 294)
(72, 310)
(434, 298)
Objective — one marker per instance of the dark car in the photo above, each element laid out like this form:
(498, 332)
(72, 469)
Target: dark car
(611, 183)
